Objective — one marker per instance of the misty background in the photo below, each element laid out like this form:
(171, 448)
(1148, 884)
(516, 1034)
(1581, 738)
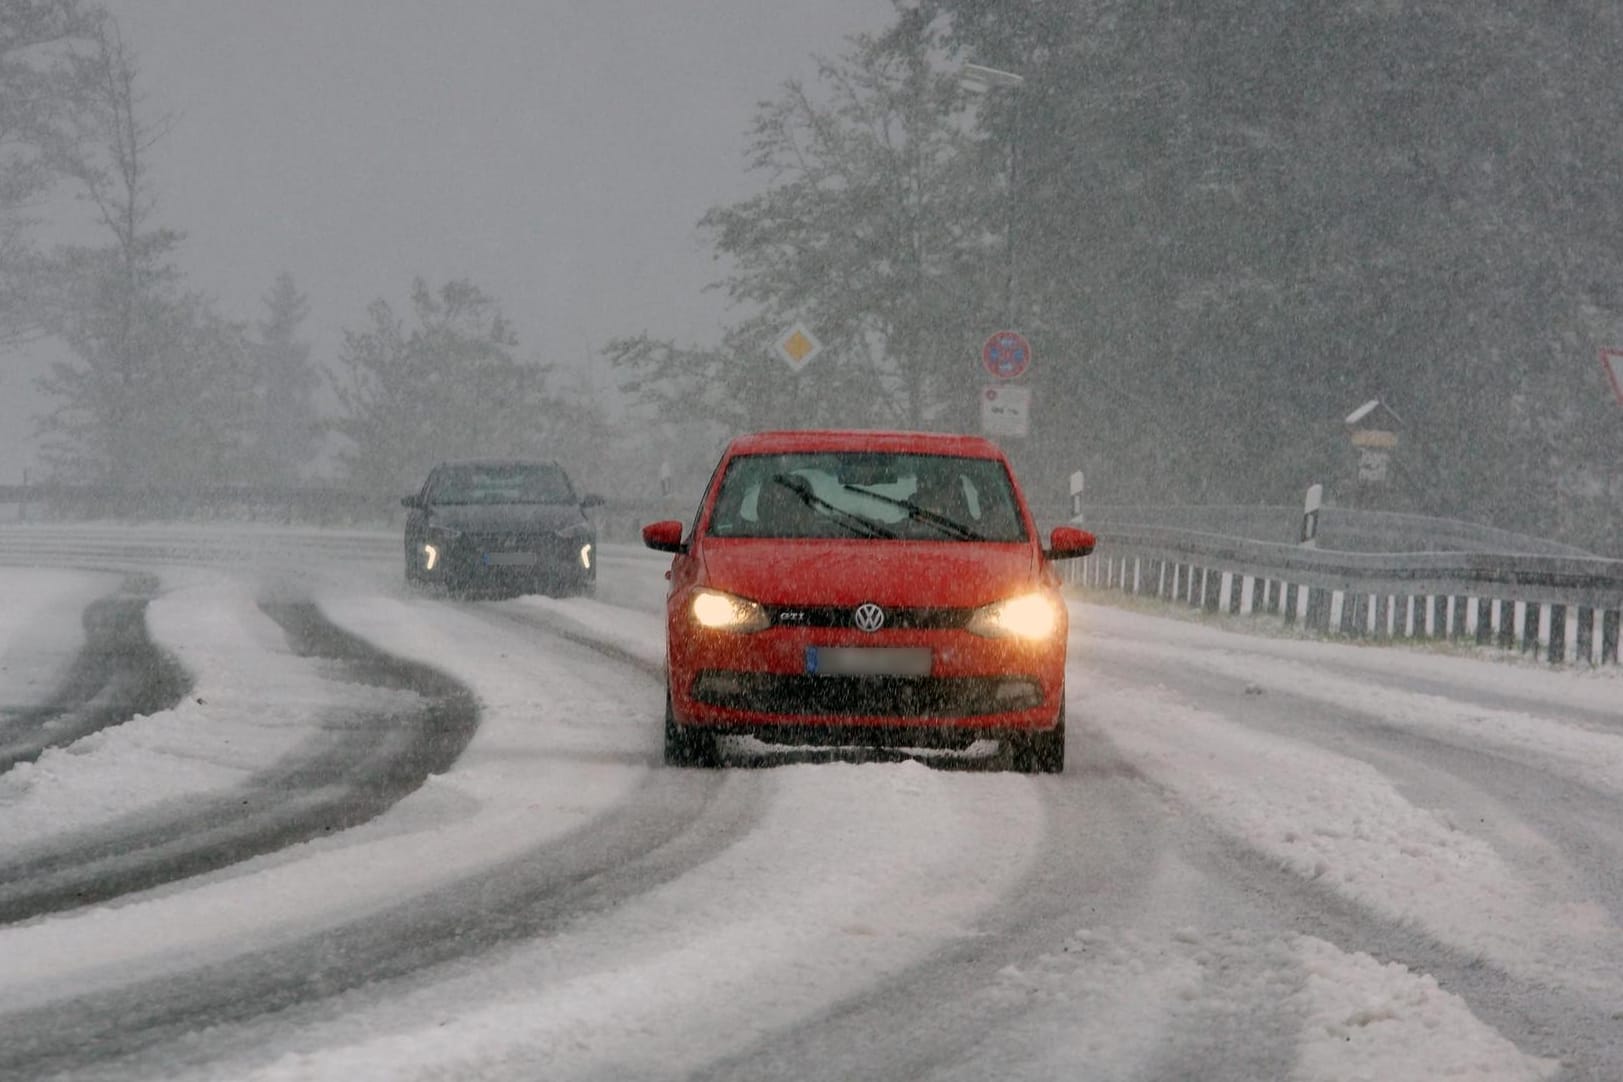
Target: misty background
(329, 245)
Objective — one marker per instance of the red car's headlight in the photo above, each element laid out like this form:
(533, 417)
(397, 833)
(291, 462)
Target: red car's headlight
(1033, 616)
(720, 611)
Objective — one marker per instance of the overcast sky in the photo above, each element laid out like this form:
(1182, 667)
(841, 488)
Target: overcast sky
(558, 153)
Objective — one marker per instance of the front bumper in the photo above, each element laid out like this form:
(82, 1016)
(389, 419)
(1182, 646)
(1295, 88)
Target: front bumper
(757, 684)
(508, 561)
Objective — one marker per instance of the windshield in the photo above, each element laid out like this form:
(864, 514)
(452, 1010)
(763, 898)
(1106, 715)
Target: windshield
(500, 484)
(863, 494)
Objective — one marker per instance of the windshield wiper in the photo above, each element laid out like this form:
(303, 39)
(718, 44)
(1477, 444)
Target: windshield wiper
(944, 523)
(857, 524)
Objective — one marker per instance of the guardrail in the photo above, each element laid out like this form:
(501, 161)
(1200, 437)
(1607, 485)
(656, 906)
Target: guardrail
(1341, 528)
(1559, 608)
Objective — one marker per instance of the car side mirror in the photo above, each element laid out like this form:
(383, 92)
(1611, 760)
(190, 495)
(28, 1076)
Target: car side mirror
(590, 500)
(664, 536)
(413, 502)
(1068, 542)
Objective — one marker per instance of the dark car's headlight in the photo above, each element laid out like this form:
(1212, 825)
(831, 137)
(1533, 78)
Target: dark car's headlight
(432, 549)
(720, 611)
(582, 540)
(1034, 616)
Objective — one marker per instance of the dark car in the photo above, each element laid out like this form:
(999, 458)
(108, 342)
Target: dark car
(501, 527)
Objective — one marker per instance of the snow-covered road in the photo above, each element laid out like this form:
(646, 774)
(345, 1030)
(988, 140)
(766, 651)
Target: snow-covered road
(1270, 858)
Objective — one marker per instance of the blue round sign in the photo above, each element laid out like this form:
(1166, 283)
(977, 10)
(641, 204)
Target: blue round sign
(1006, 354)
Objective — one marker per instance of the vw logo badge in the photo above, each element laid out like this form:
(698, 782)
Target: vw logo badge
(868, 617)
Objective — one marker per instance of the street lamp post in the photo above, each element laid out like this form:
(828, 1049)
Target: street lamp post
(983, 80)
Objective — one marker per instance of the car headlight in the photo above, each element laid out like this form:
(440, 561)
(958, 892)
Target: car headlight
(586, 556)
(724, 612)
(1032, 616)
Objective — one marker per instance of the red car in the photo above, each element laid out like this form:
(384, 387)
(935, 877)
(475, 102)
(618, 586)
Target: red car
(865, 588)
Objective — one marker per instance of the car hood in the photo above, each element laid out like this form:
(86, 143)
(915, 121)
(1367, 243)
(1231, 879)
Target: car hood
(480, 517)
(892, 573)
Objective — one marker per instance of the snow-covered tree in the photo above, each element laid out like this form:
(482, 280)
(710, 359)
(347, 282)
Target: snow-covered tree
(444, 385)
(286, 435)
(880, 228)
(157, 391)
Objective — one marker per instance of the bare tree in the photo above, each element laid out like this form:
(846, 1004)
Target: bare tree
(36, 37)
(157, 392)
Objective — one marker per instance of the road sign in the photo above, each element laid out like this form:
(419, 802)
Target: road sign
(1612, 360)
(1373, 464)
(797, 346)
(1006, 411)
(1006, 354)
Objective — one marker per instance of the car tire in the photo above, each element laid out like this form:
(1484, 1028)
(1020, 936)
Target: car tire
(1039, 753)
(685, 746)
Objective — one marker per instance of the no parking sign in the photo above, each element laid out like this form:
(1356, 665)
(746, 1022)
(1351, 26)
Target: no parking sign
(1006, 354)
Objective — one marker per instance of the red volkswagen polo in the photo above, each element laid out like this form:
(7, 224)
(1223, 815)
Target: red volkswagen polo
(865, 588)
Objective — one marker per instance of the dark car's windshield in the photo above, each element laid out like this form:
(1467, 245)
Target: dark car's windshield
(515, 483)
(879, 496)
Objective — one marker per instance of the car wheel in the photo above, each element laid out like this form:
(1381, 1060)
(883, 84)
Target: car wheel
(1039, 753)
(685, 746)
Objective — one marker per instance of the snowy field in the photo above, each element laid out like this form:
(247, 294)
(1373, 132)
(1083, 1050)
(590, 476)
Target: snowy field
(1269, 858)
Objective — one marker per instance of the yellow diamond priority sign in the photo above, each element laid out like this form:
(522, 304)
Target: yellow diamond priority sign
(797, 346)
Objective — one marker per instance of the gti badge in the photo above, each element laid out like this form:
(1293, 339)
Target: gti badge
(868, 617)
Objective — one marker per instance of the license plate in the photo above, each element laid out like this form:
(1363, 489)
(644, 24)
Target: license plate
(510, 559)
(868, 660)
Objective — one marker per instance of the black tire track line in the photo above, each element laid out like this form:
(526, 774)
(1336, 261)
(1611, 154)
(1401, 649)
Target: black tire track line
(118, 673)
(677, 821)
(333, 783)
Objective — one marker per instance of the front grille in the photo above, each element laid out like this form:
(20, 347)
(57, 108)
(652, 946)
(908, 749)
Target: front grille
(545, 544)
(502, 555)
(898, 619)
(875, 696)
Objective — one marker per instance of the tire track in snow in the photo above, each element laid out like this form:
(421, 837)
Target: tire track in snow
(675, 823)
(677, 820)
(1564, 1012)
(118, 673)
(377, 760)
